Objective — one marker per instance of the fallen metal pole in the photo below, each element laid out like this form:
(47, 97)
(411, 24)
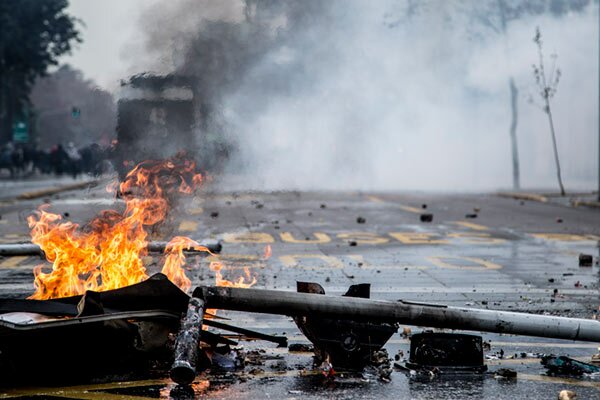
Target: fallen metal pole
(280, 340)
(183, 370)
(405, 312)
(31, 249)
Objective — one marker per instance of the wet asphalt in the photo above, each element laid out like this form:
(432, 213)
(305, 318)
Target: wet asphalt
(479, 250)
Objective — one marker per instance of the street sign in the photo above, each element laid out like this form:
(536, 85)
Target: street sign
(20, 132)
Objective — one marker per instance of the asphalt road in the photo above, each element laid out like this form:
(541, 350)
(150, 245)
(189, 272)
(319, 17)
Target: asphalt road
(512, 256)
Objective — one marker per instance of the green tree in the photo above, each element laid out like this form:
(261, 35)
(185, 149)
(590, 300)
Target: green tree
(33, 35)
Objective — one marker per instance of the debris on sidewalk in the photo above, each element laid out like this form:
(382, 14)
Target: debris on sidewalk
(563, 365)
(505, 373)
(585, 260)
(426, 217)
(567, 395)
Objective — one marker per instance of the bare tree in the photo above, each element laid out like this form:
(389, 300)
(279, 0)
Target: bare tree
(547, 85)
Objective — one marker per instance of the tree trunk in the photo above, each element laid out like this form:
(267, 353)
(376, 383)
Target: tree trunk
(514, 93)
(562, 188)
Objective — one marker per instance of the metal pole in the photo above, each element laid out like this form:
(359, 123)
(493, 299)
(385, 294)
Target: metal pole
(419, 314)
(30, 249)
(183, 370)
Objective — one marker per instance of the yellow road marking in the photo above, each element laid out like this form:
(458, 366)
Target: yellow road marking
(188, 226)
(563, 381)
(413, 210)
(363, 237)
(470, 225)
(416, 238)
(375, 199)
(476, 238)
(74, 390)
(196, 211)
(248, 237)
(12, 262)
(482, 264)
(320, 238)
(562, 237)
(292, 260)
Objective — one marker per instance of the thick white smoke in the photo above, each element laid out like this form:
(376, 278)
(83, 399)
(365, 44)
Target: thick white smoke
(378, 96)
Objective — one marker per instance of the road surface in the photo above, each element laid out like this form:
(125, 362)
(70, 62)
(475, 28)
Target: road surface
(512, 256)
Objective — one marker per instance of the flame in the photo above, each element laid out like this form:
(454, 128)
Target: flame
(268, 252)
(241, 282)
(107, 252)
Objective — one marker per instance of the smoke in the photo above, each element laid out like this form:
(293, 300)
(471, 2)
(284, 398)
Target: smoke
(383, 95)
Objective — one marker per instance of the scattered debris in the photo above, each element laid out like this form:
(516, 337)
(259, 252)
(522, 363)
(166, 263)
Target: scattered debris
(470, 215)
(505, 373)
(551, 280)
(564, 365)
(360, 220)
(352, 243)
(214, 214)
(446, 352)
(66, 214)
(327, 369)
(323, 205)
(426, 217)
(476, 209)
(585, 260)
(567, 395)
(578, 284)
(424, 206)
(559, 220)
(300, 348)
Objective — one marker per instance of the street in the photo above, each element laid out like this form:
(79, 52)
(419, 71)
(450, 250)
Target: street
(479, 250)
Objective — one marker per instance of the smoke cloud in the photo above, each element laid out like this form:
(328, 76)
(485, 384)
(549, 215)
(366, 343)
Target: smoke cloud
(386, 95)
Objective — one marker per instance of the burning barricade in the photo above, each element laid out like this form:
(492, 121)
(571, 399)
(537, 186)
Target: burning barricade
(97, 312)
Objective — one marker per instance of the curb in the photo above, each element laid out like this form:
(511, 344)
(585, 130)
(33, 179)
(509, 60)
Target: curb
(524, 196)
(54, 190)
(585, 203)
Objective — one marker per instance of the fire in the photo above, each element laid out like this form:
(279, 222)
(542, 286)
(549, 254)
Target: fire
(241, 282)
(268, 252)
(107, 252)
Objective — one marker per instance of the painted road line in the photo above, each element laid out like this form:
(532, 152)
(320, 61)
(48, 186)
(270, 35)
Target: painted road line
(188, 226)
(470, 225)
(195, 211)
(413, 210)
(557, 380)
(524, 196)
(12, 262)
(57, 189)
(375, 199)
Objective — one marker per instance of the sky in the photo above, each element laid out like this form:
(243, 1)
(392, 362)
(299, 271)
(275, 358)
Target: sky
(111, 27)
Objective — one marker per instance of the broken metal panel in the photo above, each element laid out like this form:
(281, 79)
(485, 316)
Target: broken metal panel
(448, 352)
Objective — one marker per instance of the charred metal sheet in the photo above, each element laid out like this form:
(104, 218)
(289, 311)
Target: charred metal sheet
(446, 352)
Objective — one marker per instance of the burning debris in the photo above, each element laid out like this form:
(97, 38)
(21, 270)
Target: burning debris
(107, 252)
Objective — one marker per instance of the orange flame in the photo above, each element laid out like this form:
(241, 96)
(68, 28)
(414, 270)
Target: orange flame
(241, 282)
(268, 252)
(107, 253)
